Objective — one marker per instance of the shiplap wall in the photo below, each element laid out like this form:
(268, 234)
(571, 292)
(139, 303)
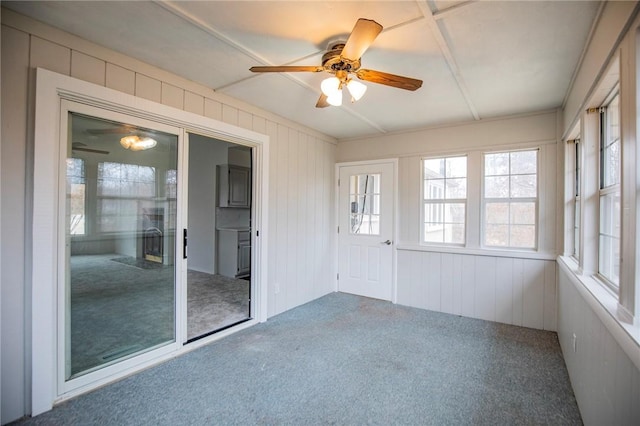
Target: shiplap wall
(301, 192)
(504, 289)
(605, 380)
(514, 288)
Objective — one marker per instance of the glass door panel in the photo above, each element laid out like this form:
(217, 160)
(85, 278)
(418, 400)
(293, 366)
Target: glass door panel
(120, 238)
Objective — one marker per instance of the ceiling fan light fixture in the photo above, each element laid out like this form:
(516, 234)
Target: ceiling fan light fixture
(356, 89)
(136, 143)
(330, 87)
(335, 99)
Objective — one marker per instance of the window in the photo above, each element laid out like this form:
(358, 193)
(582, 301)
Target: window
(123, 191)
(444, 200)
(76, 181)
(510, 199)
(576, 199)
(364, 195)
(609, 194)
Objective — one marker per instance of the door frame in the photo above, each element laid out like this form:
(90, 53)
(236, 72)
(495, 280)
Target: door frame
(51, 89)
(394, 225)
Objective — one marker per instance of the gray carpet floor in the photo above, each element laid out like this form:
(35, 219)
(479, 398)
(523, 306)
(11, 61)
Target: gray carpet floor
(121, 306)
(346, 360)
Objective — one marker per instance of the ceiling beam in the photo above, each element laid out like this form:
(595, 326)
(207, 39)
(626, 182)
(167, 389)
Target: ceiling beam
(441, 14)
(448, 55)
(175, 9)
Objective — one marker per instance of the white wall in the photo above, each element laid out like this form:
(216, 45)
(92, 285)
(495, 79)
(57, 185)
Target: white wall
(604, 366)
(301, 179)
(505, 286)
(605, 380)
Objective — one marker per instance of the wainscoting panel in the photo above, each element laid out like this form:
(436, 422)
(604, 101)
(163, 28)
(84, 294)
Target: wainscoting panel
(605, 380)
(502, 289)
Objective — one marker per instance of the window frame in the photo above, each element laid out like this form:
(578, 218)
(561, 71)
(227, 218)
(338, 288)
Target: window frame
(484, 201)
(612, 189)
(577, 198)
(426, 202)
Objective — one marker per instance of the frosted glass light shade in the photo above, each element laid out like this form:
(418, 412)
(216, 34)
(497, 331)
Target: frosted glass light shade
(330, 86)
(335, 99)
(356, 89)
(136, 143)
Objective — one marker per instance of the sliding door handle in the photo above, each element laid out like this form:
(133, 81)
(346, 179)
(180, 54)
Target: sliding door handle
(184, 243)
(388, 242)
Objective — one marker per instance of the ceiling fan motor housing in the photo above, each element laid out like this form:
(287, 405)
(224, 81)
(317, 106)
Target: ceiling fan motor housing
(332, 61)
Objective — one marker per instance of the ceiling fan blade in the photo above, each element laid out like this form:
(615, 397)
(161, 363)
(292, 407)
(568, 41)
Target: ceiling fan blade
(287, 68)
(112, 131)
(389, 79)
(322, 101)
(94, 151)
(361, 37)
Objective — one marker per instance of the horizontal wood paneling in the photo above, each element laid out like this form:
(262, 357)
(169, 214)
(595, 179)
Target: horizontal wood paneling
(503, 289)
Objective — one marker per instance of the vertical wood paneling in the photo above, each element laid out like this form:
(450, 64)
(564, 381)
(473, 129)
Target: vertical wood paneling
(468, 286)
(14, 91)
(148, 88)
(517, 291)
(194, 103)
(403, 198)
(550, 296)
(292, 213)
(120, 79)
(485, 301)
(504, 290)
(212, 109)
(302, 230)
(283, 217)
(51, 56)
(88, 68)
(245, 120)
(435, 283)
(605, 380)
(274, 203)
(457, 285)
(172, 96)
(403, 277)
(533, 308)
(508, 290)
(446, 283)
(229, 114)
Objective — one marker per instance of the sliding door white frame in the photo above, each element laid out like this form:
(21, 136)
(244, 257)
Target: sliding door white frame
(51, 90)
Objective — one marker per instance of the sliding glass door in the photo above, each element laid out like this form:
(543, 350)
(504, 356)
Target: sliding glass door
(120, 241)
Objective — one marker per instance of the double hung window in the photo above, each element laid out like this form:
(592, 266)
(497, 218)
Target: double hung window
(444, 200)
(510, 199)
(576, 198)
(609, 194)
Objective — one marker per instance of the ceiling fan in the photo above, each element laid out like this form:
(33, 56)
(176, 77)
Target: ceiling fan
(135, 139)
(343, 59)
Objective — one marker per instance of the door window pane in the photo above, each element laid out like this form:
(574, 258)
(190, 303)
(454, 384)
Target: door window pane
(364, 196)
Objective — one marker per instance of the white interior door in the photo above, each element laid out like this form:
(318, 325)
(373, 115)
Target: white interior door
(366, 229)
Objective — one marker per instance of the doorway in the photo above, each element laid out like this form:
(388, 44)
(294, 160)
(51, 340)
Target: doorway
(218, 235)
(366, 229)
(134, 215)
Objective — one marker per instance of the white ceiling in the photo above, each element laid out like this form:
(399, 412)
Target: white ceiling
(477, 59)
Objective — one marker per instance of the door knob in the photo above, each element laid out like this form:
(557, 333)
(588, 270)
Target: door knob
(388, 242)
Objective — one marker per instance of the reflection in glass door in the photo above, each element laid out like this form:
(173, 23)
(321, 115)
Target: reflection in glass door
(120, 239)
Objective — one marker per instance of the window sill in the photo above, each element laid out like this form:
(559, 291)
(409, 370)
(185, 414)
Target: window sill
(519, 254)
(605, 304)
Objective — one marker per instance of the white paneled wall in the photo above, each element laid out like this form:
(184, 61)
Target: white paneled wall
(301, 193)
(605, 380)
(509, 290)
